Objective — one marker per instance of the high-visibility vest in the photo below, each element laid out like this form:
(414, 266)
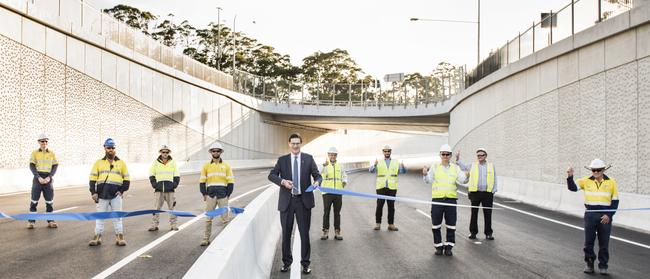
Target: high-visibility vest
(44, 160)
(444, 184)
(472, 185)
(333, 176)
(598, 193)
(216, 174)
(164, 172)
(387, 173)
(102, 172)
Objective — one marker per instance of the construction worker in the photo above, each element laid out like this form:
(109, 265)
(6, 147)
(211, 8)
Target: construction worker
(386, 184)
(216, 185)
(43, 165)
(601, 193)
(481, 187)
(334, 176)
(443, 177)
(109, 179)
(164, 177)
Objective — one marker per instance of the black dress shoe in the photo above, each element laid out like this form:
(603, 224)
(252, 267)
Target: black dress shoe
(306, 270)
(489, 237)
(284, 268)
(472, 236)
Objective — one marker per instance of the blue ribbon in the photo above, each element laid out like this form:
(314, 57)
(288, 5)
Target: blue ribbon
(328, 190)
(223, 210)
(89, 216)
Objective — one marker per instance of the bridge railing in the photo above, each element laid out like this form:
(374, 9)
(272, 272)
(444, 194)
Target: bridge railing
(421, 91)
(553, 27)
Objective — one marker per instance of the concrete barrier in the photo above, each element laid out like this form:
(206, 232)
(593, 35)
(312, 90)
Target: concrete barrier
(556, 197)
(245, 248)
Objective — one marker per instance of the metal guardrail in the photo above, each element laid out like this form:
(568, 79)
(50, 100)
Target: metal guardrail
(574, 17)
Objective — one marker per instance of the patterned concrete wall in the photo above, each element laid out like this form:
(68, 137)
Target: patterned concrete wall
(40, 94)
(591, 102)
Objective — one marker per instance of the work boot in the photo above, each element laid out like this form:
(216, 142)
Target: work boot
(52, 225)
(448, 251)
(392, 227)
(472, 236)
(119, 240)
(589, 267)
(153, 228)
(337, 234)
(377, 227)
(97, 240)
(324, 236)
(174, 227)
(30, 225)
(205, 242)
(438, 251)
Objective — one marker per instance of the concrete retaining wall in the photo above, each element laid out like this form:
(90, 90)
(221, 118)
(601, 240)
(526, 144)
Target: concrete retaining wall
(585, 97)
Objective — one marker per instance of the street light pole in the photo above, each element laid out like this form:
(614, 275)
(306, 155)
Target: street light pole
(478, 34)
(218, 38)
(234, 45)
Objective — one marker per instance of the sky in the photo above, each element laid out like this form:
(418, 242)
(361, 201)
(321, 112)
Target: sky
(377, 34)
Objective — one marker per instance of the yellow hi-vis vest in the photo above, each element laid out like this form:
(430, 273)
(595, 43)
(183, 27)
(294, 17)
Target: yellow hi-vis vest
(472, 185)
(216, 174)
(333, 176)
(387, 173)
(598, 194)
(102, 171)
(444, 184)
(164, 172)
(44, 160)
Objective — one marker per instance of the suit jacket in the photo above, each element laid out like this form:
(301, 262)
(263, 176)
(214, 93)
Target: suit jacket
(308, 170)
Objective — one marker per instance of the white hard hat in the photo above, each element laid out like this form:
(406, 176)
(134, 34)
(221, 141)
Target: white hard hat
(597, 164)
(332, 150)
(216, 145)
(387, 147)
(445, 148)
(164, 147)
(43, 136)
(481, 149)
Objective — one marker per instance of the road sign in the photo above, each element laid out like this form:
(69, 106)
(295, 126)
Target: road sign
(394, 77)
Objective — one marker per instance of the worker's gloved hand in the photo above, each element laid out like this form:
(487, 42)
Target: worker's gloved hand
(95, 198)
(41, 180)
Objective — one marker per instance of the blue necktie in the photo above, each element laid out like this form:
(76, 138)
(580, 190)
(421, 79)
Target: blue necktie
(296, 178)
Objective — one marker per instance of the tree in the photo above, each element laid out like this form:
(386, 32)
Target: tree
(331, 74)
(132, 16)
(166, 32)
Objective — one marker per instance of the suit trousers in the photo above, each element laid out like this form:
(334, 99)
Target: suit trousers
(303, 218)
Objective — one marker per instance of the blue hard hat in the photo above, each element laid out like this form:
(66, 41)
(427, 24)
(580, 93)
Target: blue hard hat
(109, 142)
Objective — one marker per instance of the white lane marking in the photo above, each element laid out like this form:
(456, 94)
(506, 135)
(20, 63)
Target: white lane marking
(477, 242)
(159, 240)
(296, 267)
(264, 172)
(564, 224)
(423, 213)
(65, 209)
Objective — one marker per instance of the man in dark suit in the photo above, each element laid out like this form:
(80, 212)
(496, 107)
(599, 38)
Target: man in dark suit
(293, 173)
